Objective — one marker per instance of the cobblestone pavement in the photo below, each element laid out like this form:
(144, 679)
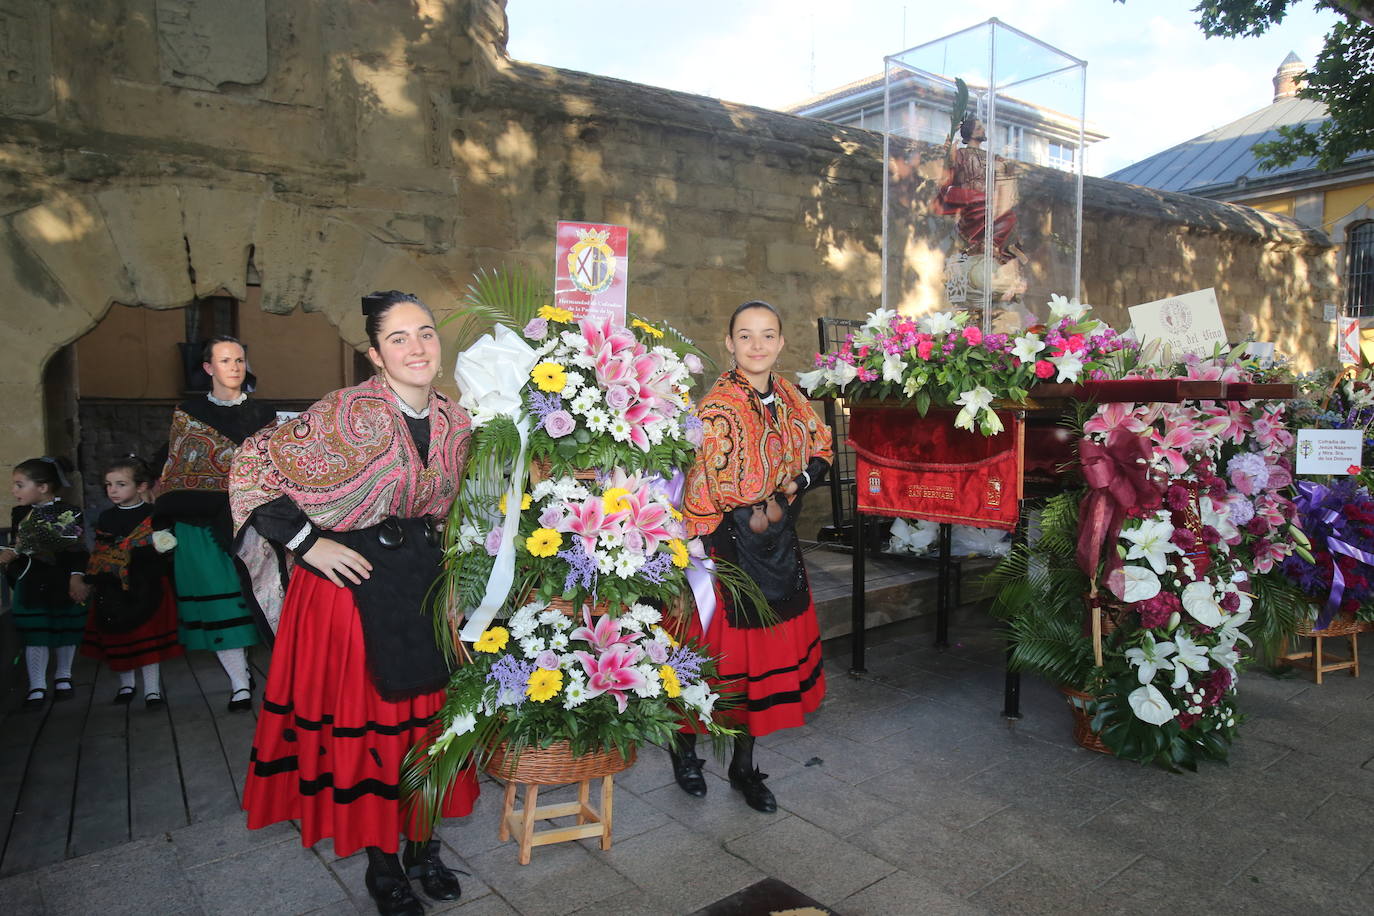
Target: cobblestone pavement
(906, 793)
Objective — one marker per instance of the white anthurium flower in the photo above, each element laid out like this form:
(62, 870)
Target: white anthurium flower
(842, 374)
(1149, 705)
(1189, 653)
(1068, 367)
(893, 367)
(1200, 601)
(938, 323)
(810, 381)
(1026, 347)
(1133, 583)
(1061, 308)
(1150, 657)
(1150, 542)
(973, 402)
(1219, 517)
(879, 318)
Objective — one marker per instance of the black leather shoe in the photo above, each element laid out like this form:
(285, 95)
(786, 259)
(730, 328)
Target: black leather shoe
(756, 794)
(687, 772)
(392, 894)
(437, 880)
(124, 696)
(241, 701)
(35, 698)
(153, 701)
(62, 689)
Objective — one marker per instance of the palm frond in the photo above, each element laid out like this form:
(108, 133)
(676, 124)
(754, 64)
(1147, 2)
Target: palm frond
(509, 296)
(1278, 610)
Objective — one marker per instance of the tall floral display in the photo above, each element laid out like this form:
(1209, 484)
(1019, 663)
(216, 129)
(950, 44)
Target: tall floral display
(570, 576)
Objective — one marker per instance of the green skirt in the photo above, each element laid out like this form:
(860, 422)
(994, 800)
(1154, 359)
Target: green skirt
(212, 612)
(45, 626)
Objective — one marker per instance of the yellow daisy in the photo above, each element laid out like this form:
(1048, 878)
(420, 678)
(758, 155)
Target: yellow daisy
(645, 326)
(544, 684)
(524, 502)
(549, 376)
(544, 542)
(679, 549)
(671, 685)
(613, 500)
(554, 313)
(493, 640)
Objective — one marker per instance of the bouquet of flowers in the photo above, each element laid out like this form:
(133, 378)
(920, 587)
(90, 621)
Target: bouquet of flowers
(941, 359)
(1337, 568)
(609, 396)
(611, 682)
(47, 531)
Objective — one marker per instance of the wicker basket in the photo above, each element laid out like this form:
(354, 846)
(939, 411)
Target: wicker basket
(555, 765)
(566, 606)
(542, 469)
(1340, 625)
(1083, 734)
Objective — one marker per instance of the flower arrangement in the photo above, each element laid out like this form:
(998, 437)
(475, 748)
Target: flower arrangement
(47, 531)
(610, 396)
(611, 682)
(1189, 500)
(1337, 570)
(941, 359)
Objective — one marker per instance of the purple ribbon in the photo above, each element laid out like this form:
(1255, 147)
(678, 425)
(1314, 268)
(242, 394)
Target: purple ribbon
(701, 574)
(1310, 498)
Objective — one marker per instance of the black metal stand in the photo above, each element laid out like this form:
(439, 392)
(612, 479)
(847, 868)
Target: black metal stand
(942, 587)
(858, 630)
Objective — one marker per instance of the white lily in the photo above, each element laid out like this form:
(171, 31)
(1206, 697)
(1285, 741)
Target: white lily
(1219, 517)
(1224, 654)
(911, 386)
(1149, 705)
(894, 367)
(879, 318)
(810, 381)
(1068, 366)
(1026, 347)
(1190, 653)
(973, 402)
(842, 374)
(1200, 600)
(1150, 542)
(1150, 657)
(938, 323)
(1061, 308)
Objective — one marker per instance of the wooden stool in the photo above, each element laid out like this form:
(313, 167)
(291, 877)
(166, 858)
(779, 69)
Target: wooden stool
(590, 822)
(1318, 659)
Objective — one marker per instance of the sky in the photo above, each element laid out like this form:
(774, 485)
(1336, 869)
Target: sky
(1153, 80)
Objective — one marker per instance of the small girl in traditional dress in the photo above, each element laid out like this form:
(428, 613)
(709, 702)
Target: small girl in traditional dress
(132, 624)
(44, 567)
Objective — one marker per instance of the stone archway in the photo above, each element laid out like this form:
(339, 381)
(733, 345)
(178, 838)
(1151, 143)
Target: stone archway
(65, 261)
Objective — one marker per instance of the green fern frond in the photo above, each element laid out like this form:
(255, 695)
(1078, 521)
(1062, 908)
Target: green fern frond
(510, 296)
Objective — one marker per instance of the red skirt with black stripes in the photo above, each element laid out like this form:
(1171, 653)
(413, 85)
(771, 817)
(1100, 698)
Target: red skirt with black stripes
(328, 749)
(775, 673)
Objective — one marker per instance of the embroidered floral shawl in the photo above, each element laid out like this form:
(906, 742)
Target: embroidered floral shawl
(112, 554)
(199, 454)
(349, 461)
(747, 454)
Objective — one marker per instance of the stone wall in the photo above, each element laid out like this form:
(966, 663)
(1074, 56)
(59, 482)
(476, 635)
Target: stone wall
(154, 151)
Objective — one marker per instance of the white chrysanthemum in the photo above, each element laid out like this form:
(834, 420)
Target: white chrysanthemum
(585, 401)
(574, 694)
(645, 614)
(620, 429)
(558, 641)
(542, 490)
(531, 646)
(610, 540)
(630, 625)
(652, 682)
(598, 421)
(551, 617)
(605, 563)
(627, 564)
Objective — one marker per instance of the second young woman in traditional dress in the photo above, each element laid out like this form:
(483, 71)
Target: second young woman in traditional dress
(763, 445)
(356, 488)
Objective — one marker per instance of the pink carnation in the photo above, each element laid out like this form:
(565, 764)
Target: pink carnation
(973, 336)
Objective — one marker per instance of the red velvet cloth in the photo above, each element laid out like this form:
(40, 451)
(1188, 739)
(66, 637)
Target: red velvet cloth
(923, 467)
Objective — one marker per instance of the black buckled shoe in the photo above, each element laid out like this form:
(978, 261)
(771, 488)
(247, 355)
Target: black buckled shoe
(241, 700)
(437, 880)
(687, 772)
(36, 697)
(124, 696)
(392, 894)
(62, 689)
(756, 794)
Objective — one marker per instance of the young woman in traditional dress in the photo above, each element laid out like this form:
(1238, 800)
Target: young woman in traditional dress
(192, 499)
(44, 566)
(763, 446)
(356, 488)
(132, 624)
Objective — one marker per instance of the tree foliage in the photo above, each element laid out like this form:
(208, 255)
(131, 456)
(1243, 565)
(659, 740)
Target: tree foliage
(1341, 78)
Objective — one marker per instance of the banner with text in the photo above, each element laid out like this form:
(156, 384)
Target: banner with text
(592, 270)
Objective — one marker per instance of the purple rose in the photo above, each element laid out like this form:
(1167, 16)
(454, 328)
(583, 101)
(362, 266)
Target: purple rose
(559, 423)
(548, 660)
(618, 396)
(693, 363)
(656, 651)
(551, 517)
(493, 541)
(537, 329)
(694, 431)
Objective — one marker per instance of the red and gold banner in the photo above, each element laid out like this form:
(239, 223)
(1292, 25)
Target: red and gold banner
(923, 467)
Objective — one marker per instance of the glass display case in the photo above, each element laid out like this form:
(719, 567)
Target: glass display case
(983, 185)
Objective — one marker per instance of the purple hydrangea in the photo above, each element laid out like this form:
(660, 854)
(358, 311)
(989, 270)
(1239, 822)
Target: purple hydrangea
(1241, 509)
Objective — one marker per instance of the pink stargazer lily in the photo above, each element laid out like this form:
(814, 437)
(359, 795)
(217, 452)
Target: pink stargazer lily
(614, 672)
(588, 520)
(1171, 446)
(603, 634)
(646, 516)
(1115, 415)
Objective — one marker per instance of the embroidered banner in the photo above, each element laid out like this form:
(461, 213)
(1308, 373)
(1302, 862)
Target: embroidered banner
(923, 467)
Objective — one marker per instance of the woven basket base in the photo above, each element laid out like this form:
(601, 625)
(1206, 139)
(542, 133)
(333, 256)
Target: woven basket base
(1083, 733)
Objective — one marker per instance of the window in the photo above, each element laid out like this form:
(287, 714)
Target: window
(1359, 270)
(1061, 156)
(1010, 137)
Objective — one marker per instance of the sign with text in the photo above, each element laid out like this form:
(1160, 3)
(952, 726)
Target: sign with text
(1348, 341)
(591, 270)
(1330, 451)
(1190, 323)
